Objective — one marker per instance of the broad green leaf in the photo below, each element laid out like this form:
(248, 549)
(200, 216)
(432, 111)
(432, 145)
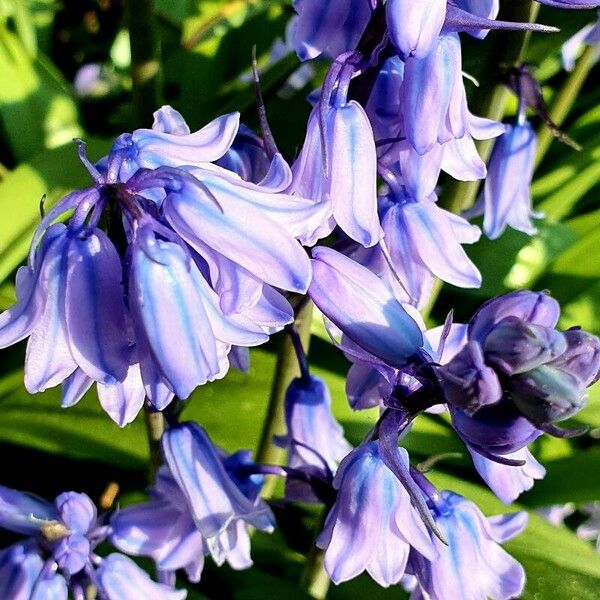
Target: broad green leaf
(571, 479)
(52, 173)
(516, 260)
(84, 431)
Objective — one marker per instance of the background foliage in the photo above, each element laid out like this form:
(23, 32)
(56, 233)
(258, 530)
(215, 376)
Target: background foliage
(206, 48)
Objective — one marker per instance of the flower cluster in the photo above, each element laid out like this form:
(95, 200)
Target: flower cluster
(58, 557)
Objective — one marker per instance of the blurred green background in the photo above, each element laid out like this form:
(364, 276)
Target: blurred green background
(64, 73)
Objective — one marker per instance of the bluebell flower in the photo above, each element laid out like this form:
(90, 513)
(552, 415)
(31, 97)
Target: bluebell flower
(73, 282)
(424, 240)
(360, 304)
(68, 529)
(170, 144)
(414, 26)
(23, 575)
(198, 239)
(178, 317)
(314, 439)
(201, 503)
(337, 168)
(508, 380)
(197, 468)
(472, 565)
(506, 195)
(509, 481)
(434, 98)
(329, 28)
(372, 526)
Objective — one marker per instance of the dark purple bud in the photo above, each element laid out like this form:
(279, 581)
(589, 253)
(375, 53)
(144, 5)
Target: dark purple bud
(467, 382)
(582, 356)
(537, 308)
(515, 346)
(547, 394)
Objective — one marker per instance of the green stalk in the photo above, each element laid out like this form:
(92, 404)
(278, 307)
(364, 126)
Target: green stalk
(314, 579)
(155, 426)
(145, 61)
(491, 100)
(565, 98)
(286, 369)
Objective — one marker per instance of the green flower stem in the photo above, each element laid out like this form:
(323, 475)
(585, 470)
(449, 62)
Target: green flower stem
(145, 61)
(285, 370)
(155, 426)
(565, 98)
(314, 579)
(491, 100)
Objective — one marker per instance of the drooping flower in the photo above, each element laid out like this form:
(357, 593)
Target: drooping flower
(59, 305)
(119, 578)
(23, 575)
(434, 96)
(509, 481)
(359, 304)
(472, 565)
(372, 525)
(206, 249)
(506, 196)
(200, 504)
(337, 167)
(314, 439)
(423, 241)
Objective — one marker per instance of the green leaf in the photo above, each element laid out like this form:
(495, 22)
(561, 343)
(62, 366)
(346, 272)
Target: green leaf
(37, 110)
(571, 479)
(52, 173)
(84, 431)
(7, 295)
(557, 563)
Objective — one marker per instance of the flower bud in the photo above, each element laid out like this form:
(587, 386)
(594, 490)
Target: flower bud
(547, 394)
(467, 382)
(516, 346)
